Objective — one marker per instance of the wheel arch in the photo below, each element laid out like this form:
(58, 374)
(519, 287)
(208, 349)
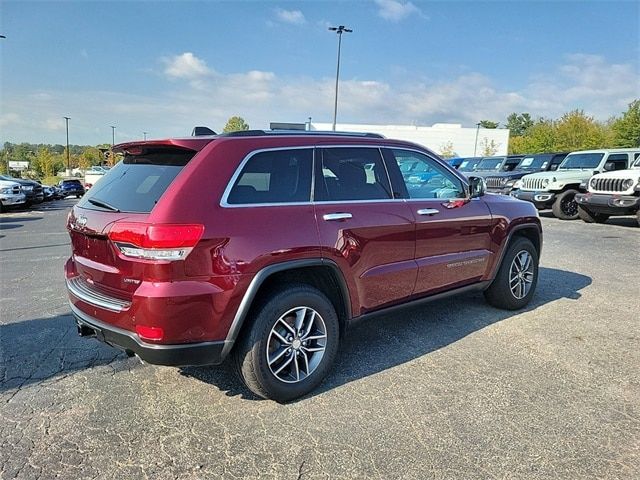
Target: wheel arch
(321, 273)
(530, 231)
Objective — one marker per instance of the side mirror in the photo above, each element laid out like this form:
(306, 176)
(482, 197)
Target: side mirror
(609, 166)
(477, 187)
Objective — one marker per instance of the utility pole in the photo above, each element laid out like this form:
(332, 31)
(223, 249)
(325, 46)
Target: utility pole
(339, 30)
(145, 135)
(66, 121)
(475, 148)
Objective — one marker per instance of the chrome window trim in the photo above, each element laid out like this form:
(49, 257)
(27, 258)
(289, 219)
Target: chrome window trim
(225, 195)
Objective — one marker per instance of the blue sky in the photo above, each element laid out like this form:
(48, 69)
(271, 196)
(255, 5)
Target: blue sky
(164, 67)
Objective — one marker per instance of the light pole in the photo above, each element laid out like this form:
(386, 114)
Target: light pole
(145, 135)
(66, 121)
(113, 141)
(339, 30)
(475, 147)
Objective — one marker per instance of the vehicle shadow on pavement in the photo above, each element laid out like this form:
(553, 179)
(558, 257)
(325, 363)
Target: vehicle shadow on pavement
(34, 351)
(384, 342)
(4, 220)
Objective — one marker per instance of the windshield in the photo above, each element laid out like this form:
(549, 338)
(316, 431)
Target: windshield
(489, 163)
(468, 164)
(581, 160)
(533, 163)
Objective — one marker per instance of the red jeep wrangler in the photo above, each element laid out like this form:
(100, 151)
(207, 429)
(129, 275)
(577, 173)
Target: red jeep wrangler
(266, 245)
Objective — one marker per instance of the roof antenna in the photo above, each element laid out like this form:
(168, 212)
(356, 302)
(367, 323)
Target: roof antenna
(201, 131)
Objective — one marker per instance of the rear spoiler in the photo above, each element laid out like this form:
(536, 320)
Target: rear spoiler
(190, 143)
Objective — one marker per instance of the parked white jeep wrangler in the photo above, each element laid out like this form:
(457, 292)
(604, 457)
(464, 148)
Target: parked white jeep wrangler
(611, 193)
(557, 190)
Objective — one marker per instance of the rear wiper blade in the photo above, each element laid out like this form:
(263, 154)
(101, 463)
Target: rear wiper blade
(100, 203)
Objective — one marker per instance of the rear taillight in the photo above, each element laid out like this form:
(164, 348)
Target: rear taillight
(168, 242)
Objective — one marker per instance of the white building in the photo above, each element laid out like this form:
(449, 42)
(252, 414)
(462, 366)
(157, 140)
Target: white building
(437, 137)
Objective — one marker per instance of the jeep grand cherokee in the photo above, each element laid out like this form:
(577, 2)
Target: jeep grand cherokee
(264, 246)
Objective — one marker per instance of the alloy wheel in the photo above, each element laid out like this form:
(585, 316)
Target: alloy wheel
(521, 274)
(569, 206)
(296, 344)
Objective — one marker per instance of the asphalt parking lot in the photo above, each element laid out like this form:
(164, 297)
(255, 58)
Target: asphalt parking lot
(456, 389)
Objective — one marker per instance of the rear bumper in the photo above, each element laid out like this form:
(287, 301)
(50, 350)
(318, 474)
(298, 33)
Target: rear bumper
(609, 204)
(181, 355)
(541, 200)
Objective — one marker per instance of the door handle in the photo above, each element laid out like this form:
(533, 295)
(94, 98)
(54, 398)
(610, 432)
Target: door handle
(428, 211)
(336, 216)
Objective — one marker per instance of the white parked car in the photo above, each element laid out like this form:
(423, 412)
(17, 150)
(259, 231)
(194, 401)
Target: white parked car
(11, 195)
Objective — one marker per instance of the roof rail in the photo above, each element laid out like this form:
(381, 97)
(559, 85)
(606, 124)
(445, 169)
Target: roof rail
(263, 133)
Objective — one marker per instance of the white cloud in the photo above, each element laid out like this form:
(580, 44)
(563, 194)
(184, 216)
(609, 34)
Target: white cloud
(207, 97)
(186, 65)
(293, 17)
(395, 10)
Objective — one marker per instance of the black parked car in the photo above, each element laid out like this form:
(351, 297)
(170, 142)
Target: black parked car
(540, 162)
(71, 188)
(31, 189)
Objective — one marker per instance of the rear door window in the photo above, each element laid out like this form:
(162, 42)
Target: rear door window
(278, 176)
(137, 182)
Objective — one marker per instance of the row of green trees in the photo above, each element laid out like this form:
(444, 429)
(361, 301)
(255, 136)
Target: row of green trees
(47, 160)
(572, 131)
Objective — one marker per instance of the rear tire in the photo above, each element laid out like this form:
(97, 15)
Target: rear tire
(517, 277)
(281, 370)
(565, 206)
(592, 217)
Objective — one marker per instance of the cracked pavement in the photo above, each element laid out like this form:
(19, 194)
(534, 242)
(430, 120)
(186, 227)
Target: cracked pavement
(454, 389)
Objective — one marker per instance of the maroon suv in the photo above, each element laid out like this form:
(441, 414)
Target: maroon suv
(265, 246)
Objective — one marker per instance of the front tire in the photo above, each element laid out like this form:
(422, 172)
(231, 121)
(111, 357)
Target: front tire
(565, 206)
(517, 277)
(290, 345)
(592, 217)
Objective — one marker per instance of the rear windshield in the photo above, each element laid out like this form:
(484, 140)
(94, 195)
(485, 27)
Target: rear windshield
(71, 182)
(137, 182)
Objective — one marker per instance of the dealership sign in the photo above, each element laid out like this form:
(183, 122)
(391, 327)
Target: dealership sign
(18, 165)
